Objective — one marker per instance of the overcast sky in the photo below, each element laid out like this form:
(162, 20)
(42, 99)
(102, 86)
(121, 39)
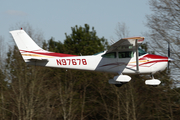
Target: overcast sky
(56, 17)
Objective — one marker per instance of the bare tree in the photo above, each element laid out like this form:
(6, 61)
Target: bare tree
(164, 29)
(164, 26)
(3, 82)
(65, 95)
(2, 51)
(122, 31)
(26, 83)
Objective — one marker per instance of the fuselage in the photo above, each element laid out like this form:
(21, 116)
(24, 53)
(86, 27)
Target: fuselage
(123, 56)
(114, 63)
(120, 58)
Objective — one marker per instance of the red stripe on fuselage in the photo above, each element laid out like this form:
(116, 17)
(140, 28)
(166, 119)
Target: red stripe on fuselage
(146, 63)
(50, 54)
(150, 57)
(153, 60)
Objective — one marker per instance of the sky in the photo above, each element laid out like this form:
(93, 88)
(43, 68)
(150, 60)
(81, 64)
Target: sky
(56, 17)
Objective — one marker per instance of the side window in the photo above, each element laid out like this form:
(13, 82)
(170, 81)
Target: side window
(109, 55)
(126, 54)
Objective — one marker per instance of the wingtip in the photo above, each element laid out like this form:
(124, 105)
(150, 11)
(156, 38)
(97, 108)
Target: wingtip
(15, 30)
(135, 38)
(140, 39)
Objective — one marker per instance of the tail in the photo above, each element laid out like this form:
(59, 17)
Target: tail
(26, 45)
(30, 51)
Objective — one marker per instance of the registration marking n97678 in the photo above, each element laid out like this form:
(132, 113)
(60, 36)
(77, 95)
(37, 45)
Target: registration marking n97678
(71, 61)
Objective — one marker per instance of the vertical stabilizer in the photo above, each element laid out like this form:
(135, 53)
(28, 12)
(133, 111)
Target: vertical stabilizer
(27, 47)
(23, 41)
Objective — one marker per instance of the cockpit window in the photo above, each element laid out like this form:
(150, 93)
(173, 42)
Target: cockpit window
(126, 54)
(141, 52)
(109, 55)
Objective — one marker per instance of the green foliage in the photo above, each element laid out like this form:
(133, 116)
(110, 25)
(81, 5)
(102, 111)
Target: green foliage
(84, 41)
(54, 46)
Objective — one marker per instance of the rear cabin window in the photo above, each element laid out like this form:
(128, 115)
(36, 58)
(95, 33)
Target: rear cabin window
(126, 54)
(109, 55)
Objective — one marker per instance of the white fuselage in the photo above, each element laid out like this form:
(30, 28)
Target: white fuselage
(147, 63)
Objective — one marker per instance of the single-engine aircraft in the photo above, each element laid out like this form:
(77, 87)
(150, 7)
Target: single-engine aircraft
(123, 57)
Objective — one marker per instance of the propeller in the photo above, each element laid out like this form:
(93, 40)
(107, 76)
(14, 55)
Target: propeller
(168, 50)
(169, 55)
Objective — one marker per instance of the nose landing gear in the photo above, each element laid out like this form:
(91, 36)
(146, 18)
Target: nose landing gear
(152, 81)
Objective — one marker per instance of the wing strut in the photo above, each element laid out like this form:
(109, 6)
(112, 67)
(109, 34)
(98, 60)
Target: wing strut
(137, 56)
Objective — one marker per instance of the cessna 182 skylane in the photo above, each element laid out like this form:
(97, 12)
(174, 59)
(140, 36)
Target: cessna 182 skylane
(123, 57)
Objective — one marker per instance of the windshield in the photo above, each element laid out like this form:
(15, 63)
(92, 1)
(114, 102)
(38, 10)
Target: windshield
(98, 53)
(141, 52)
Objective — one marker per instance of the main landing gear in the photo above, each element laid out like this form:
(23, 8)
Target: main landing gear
(120, 80)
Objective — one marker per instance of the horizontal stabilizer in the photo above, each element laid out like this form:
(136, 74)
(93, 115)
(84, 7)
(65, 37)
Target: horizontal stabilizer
(36, 59)
(39, 59)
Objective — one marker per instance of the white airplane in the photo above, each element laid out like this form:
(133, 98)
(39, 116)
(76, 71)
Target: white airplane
(123, 57)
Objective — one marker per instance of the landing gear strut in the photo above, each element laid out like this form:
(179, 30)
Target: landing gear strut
(152, 81)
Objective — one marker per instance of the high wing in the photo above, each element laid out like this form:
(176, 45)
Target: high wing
(126, 44)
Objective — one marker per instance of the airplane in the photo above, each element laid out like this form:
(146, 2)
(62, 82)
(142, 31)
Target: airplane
(124, 57)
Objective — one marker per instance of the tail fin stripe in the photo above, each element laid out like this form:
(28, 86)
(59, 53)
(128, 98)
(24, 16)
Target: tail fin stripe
(49, 54)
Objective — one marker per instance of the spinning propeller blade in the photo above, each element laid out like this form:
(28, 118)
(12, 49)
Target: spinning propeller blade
(169, 56)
